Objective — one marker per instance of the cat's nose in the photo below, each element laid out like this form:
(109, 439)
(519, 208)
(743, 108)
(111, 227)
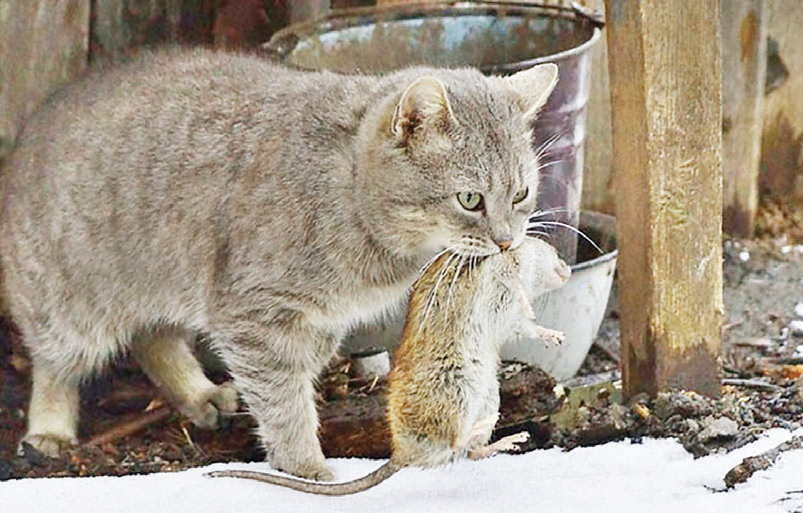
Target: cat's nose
(504, 244)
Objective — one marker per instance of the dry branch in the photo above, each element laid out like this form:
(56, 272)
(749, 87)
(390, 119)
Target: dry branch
(131, 426)
(744, 470)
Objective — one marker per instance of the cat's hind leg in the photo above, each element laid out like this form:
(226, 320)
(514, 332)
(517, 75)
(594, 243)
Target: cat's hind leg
(165, 355)
(53, 410)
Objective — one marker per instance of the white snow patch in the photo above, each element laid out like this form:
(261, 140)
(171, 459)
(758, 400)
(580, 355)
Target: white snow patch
(656, 476)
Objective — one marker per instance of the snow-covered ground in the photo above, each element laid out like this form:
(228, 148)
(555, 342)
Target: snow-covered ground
(654, 476)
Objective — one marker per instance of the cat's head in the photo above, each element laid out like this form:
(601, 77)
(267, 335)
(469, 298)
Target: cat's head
(447, 161)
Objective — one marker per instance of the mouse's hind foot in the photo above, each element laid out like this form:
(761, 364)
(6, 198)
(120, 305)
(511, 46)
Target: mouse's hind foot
(509, 443)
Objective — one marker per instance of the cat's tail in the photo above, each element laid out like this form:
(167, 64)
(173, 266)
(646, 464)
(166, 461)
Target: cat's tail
(336, 489)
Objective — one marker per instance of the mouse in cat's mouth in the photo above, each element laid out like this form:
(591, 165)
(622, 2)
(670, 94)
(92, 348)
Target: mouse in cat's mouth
(443, 393)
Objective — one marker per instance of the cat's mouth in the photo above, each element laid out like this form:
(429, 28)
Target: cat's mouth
(474, 247)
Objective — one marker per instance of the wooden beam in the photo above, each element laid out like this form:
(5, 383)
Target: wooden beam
(665, 71)
(744, 71)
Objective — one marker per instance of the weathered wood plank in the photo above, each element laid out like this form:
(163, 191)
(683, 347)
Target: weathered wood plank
(782, 139)
(665, 72)
(122, 26)
(744, 65)
(43, 43)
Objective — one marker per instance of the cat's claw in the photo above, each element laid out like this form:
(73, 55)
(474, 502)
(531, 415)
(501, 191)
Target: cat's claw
(207, 411)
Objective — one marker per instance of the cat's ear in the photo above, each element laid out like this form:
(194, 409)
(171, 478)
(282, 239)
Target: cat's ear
(424, 103)
(534, 85)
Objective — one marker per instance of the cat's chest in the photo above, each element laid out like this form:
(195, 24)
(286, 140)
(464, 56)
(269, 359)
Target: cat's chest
(359, 305)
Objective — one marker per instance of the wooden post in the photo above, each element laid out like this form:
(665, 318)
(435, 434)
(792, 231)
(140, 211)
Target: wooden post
(665, 71)
(744, 71)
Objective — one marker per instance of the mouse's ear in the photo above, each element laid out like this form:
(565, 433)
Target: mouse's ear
(424, 104)
(534, 85)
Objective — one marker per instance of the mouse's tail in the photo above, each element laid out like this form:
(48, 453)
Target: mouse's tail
(347, 488)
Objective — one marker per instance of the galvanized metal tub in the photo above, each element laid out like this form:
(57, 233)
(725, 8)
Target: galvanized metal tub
(497, 38)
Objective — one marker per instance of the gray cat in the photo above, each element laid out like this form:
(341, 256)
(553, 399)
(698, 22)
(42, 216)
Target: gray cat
(273, 210)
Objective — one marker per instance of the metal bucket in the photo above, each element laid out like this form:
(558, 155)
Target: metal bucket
(497, 38)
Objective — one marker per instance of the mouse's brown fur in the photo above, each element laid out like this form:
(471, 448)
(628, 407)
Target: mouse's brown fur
(443, 394)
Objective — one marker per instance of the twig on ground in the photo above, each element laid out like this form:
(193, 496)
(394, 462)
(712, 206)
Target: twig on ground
(744, 470)
(749, 383)
(610, 354)
(131, 426)
(732, 325)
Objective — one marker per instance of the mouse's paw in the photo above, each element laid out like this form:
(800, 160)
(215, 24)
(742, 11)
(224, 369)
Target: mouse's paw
(509, 443)
(547, 336)
(551, 337)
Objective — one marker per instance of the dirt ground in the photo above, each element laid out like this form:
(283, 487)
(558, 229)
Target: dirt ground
(127, 429)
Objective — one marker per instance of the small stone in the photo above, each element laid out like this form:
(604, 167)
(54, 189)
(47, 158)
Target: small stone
(692, 425)
(796, 328)
(717, 428)
(744, 256)
(799, 310)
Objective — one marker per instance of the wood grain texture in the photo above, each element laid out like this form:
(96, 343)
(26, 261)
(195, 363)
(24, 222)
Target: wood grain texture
(744, 67)
(782, 140)
(666, 94)
(43, 43)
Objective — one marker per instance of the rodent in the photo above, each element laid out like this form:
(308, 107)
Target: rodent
(443, 393)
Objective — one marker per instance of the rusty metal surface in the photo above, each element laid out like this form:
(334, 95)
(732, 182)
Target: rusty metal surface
(497, 38)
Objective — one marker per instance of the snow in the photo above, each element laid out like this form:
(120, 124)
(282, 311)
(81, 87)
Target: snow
(655, 476)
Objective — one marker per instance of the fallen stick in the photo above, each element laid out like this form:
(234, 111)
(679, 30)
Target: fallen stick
(750, 383)
(744, 470)
(131, 426)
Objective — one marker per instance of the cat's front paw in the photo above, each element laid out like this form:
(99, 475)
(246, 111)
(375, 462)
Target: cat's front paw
(313, 472)
(50, 445)
(209, 408)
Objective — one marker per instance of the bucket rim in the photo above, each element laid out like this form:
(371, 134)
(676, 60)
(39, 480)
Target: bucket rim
(284, 41)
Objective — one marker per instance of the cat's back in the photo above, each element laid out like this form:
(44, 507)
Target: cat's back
(157, 106)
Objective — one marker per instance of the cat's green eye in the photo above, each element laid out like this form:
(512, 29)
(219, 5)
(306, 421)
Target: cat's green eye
(519, 197)
(470, 200)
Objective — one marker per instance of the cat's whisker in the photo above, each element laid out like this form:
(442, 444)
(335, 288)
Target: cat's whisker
(551, 211)
(570, 227)
(433, 259)
(544, 147)
(550, 163)
(540, 167)
(533, 234)
(454, 279)
(433, 293)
